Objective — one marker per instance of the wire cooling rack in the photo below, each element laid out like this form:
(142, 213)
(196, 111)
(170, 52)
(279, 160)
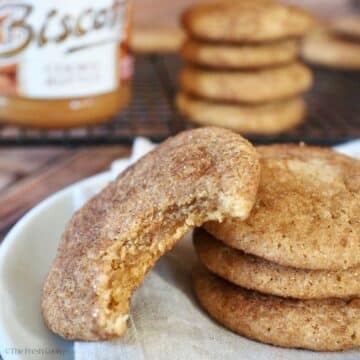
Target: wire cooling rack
(333, 112)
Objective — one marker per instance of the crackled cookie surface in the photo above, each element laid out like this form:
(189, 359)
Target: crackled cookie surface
(225, 56)
(322, 325)
(271, 118)
(114, 240)
(255, 273)
(307, 212)
(246, 21)
(252, 87)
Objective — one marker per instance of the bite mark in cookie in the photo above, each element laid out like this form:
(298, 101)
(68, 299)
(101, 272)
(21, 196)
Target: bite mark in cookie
(115, 239)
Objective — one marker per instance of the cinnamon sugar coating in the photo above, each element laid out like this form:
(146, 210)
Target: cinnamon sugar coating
(307, 211)
(321, 325)
(247, 87)
(246, 21)
(254, 273)
(114, 240)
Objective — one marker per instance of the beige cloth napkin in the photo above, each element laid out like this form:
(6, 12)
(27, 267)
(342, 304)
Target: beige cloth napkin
(167, 324)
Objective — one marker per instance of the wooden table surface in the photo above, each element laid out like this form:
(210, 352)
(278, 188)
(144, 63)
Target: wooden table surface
(28, 175)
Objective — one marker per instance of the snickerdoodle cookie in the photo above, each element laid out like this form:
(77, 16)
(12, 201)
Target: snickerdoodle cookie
(323, 48)
(247, 86)
(245, 21)
(348, 26)
(322, 325)
(307, 212)
(255, 273)
(114, 240)
(272, 118)
(227, 56)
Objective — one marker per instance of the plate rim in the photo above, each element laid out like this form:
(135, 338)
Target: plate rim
(6, 340)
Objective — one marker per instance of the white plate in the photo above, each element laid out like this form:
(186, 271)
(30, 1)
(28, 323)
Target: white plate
(25, 258)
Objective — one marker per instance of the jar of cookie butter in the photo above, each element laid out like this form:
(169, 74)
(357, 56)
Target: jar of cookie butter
(63, 63)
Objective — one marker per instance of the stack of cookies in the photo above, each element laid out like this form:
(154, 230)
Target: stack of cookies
(289, 275)
(242, 70)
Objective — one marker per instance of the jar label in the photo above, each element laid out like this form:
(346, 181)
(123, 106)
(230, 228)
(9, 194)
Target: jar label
(63, 49)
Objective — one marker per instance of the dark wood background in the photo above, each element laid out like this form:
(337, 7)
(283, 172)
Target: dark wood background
(29, 175)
